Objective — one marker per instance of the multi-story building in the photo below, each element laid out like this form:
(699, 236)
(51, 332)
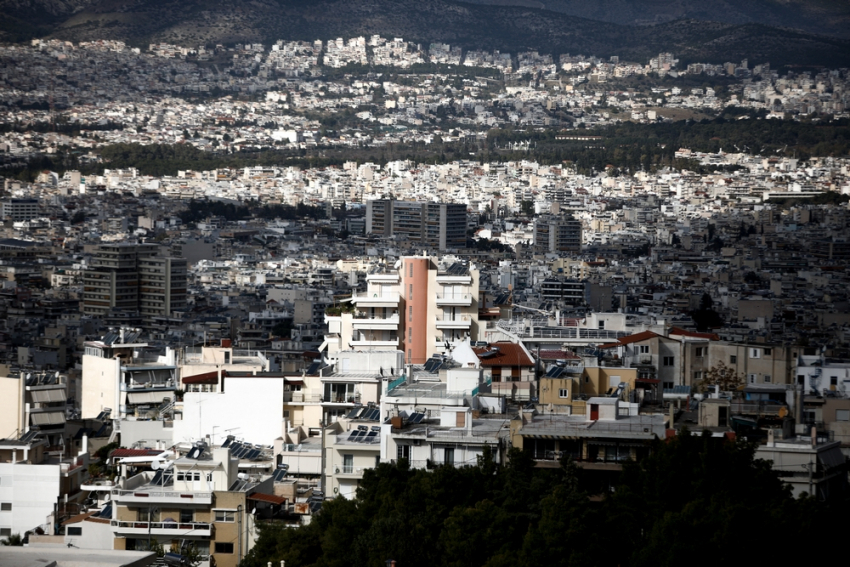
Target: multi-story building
(37, 482)
(120, 377)
(131, 278)
(19, 209)
(437, 225)
(199, 500)
(557, 233)
(34, 401)
(417, 307)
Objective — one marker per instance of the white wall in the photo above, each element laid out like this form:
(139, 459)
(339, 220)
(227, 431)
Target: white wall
(100, 385)
(32, 490)
(148, 432)
(95, 536)
(251, 406)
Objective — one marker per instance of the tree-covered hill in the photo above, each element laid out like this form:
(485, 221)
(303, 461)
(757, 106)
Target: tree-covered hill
(695, 501)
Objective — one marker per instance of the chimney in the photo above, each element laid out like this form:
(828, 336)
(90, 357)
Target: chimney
(771, 437)
(85, 446)
(814, 437)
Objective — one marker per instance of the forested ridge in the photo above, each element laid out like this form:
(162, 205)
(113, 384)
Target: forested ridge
(696, 500)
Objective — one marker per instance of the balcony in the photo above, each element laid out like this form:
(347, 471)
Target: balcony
(391, 343)
(458, 322)
(301, 398)
(137, 497)
(375, 299)
(463, 299)
(376, 323)
(193, 529)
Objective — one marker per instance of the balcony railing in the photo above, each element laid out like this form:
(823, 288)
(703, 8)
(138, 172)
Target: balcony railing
(163, 528)
(301, 398)
(161, 497)
(375, 297)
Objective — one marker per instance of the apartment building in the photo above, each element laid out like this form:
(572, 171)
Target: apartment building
(199, 499)
(122, 377)
(35, 481)
(34, 401)
(436, 225)
(418, 306)
(131, 278)
(18, 210)
(557, 233)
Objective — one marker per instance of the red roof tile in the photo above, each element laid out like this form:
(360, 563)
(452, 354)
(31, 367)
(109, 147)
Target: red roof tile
(509, 354)
(557, 355)
(637, 337)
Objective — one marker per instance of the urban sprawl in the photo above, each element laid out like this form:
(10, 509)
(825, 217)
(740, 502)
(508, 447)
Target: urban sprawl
(182, 355)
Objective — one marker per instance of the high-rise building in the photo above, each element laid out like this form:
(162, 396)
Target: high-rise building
(557, 233)
(19, 209)
(131, 278)
(416, 307)
(437, 225)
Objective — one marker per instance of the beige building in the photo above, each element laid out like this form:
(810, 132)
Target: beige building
(417, 307)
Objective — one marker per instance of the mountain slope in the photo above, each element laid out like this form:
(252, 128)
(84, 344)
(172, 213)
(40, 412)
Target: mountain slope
(829, 17)
(192, 22)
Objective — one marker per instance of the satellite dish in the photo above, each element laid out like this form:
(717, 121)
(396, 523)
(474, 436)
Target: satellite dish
(155, 465)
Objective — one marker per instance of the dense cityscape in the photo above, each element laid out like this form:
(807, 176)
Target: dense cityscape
(306, 301)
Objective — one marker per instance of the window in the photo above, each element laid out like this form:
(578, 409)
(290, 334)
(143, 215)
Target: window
(286, 414)
(801, 379)
(768, 351)
(197, 476)
(187, 516)
(410, 314)
(833, 380)
(410, 333)
(733, 359)
(402, 452)
(668, 360)
(697, 375)
(752, 378)
(667, 385)
(209, 477)
(223, 547)
(348, 464)
(5, 532)
(601, 324)
(643, 349)
(563, 393)
(181, 476)
(842, 415)
(755, 353)
(449, 456)
(5, 507)
(767, 378)
(148, 514)
(410, 292)
(225, 516)
(411, 269)
(77, 531)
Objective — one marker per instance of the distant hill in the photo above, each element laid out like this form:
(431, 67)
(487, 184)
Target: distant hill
(509, 28)
(827, 17)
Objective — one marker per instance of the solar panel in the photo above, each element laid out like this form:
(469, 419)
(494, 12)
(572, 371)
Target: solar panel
(314, 368)
(371, 436)
(255, 454)
(374, 415)
(376, 428)
(353, 413)
(29, 436)
(195, 453)
(102, 431)
(279, 474)
(555, 372)
(416, 417)
(227, 442)
(157, 478)
(106, 512)
(353, 435)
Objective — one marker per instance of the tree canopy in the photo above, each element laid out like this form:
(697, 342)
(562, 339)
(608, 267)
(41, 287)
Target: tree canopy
(694, 500)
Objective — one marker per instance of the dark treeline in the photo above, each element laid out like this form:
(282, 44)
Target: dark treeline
(627, 147)
(200, 210)
(70, 128)
(694, 501)
(631, 146)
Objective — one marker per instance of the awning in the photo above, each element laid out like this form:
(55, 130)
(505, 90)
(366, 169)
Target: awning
(647, 380)
(49, 396)
(270, 498)
(147, 397)
(48, 418)
(205, 378)
(294, 381)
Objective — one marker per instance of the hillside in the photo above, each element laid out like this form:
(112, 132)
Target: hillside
(828, 17)
(508, 28)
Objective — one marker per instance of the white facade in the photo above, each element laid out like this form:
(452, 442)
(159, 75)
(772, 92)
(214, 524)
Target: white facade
(32, 491)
